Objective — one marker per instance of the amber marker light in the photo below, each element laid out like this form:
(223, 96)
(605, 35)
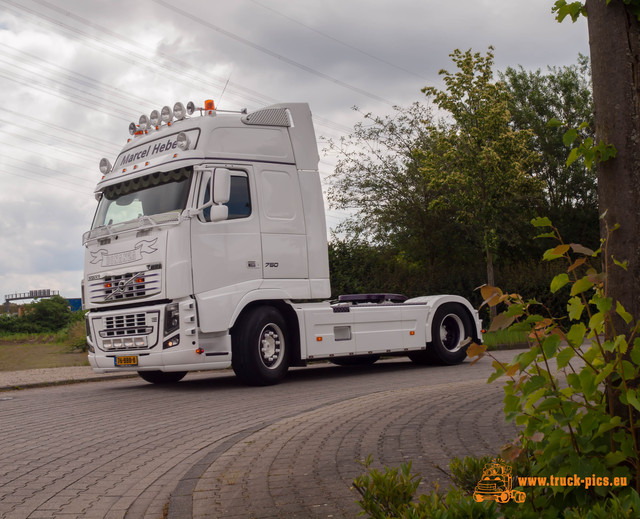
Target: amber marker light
(319, 339)
(412, 332)
(108, 285)
(199, 351)
(139, 280)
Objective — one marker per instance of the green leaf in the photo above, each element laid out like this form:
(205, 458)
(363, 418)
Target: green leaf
(582, 285)
(623, 313)
(564, 357)
(573, 156)
(541, 221)
(526, 358)
(574, 381)
(515, 310)
(558, 282)
(587, 382)
(575, 308)
(614, 422)
(604, 373)
(629, 371)
(570, 136)
(635, 352)
(550, 345)
(615, 458)
(511, 404)
(596, 323)
(632, 398)
(575, 336)
(546, 235)
(554, 123)
(621, 264)
(548, 403)
(603, 303)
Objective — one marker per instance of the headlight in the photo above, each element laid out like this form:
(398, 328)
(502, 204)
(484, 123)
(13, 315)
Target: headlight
(143, 122)
(105, 166)
(183, 141)
(178, 111)
(166, 114)
(171, 318)
(155, 118)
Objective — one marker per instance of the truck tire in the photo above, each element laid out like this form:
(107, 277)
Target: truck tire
(162, 377)
(356, 360)
(260, 349)
(451, 325)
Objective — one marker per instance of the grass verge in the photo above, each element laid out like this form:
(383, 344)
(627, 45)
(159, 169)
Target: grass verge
(18, 355)
(504, 339)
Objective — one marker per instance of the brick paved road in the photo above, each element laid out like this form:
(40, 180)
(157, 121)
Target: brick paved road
(210, 447)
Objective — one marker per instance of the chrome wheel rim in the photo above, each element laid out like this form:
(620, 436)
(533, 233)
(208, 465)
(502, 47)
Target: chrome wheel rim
(271, 346)
(451, 332)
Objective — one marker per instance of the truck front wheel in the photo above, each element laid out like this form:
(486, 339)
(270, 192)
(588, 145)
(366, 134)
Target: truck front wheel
(451, 325)
(260, 353)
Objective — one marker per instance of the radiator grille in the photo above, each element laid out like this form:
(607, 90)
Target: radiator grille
(125, 325)
(132, 285)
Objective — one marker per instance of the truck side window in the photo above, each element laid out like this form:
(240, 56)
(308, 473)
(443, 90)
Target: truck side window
(239, 203)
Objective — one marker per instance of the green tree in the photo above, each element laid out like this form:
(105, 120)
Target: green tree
(480, 164)
(52, 314)
(562, 93)
(379, 180)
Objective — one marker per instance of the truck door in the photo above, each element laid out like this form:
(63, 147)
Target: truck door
(284, 241)
(226, 255)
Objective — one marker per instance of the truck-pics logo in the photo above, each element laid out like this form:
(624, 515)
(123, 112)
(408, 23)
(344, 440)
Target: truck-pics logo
(121, 258)
(497, 484)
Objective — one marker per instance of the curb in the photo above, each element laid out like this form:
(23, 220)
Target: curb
(64, 382)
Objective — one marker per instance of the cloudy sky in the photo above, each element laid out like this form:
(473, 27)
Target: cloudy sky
(75, 73)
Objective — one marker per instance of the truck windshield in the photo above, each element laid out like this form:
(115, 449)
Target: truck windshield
(149, 195)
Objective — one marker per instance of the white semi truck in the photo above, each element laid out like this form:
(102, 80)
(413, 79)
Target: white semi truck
(208, 250)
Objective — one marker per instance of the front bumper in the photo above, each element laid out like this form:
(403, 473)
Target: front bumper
(140, 334)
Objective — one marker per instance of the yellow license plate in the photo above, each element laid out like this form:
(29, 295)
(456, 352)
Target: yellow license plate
(126, 360)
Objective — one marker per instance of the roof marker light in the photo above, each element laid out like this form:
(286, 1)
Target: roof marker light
(191, 107)
(166, 114)
(105, 166)
(182, 140)
(208, 105)
(155, 118)
(179, 111)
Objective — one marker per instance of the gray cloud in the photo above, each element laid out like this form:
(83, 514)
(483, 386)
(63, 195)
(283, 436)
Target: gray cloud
(75, 73)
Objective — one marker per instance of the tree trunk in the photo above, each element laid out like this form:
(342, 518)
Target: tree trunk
(614, 41)
(490, 277)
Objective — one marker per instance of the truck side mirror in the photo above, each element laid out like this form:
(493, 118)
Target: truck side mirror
(221, 185)
(219, 213)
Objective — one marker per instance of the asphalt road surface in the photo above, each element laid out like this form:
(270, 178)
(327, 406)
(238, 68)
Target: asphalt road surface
(210, 447)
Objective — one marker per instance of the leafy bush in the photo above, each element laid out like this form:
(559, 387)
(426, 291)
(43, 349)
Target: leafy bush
(47, 315)
(573, 393)
(77, 336)
(390, 494)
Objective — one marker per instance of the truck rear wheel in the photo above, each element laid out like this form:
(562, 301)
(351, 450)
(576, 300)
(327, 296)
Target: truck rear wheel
(450, 327)
(162, 377)
(260, 353)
